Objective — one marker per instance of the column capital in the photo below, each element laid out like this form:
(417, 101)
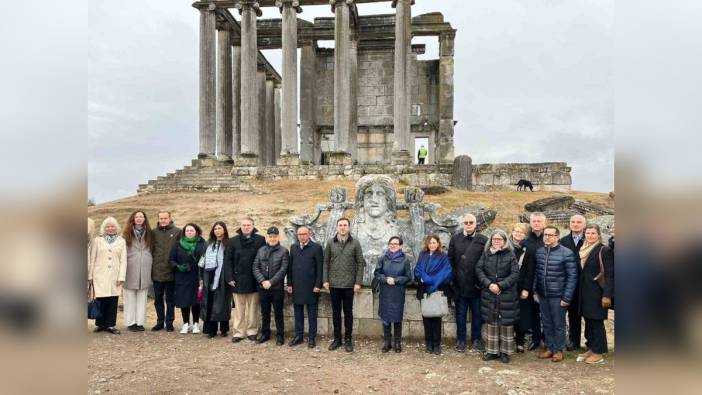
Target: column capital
(295, 4)
(394, 2)
(205, 6)
(334, 3)
(248, 4)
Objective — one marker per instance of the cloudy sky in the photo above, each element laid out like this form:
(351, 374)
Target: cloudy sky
(533, 83)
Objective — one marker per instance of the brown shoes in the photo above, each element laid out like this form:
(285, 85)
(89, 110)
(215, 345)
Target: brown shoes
(546, 355)
(557, 357)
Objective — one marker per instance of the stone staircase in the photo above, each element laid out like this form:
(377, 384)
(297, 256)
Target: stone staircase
(200, 175)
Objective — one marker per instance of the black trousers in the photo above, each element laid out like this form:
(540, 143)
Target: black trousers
(274, 297)
(342, 299)
(185, 312)
(432, 331)
(108, 312)
(574, 322)
(420, 161)
(536, 334)
(210, 327)
(166, 288)
(595, 336)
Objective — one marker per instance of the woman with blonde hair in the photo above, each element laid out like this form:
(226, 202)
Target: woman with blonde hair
(107, 269)
(497, 273)
(597, 262)
(139, 239)
(525, 261)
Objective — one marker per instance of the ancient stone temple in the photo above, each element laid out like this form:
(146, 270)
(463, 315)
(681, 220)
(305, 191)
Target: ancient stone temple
(361, 106)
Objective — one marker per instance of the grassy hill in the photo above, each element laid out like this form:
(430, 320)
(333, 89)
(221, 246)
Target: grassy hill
(274, 202)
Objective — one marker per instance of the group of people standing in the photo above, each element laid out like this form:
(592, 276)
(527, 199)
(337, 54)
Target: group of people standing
(512, 284)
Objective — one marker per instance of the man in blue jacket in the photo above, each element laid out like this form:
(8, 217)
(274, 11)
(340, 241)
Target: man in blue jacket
(555, 278)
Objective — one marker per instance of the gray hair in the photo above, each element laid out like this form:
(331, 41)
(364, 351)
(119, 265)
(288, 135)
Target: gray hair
(501, 233)
(108, 221)
(537, 214)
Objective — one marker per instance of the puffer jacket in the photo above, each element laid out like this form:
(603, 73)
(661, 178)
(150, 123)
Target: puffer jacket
(271, 263)
(499, 268)
(556, 273)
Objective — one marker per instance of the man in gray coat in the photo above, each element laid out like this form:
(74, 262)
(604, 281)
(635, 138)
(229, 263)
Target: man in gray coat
(165, 236)
(269, 269)
(343, 276)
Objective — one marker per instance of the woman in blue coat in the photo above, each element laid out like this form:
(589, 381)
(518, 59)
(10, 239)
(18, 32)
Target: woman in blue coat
(393, 273)
(433, 273)
(185, 254)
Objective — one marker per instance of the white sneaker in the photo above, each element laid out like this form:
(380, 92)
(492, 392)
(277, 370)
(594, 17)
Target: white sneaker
(196, 328)
(184, 331)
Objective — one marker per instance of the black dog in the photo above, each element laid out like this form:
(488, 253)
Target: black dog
(522, 185)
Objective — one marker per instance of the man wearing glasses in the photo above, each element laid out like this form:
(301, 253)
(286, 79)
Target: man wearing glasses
(555, 277)
(465, 249)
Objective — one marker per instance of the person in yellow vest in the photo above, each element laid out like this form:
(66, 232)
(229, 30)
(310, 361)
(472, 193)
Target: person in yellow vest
(421, 154)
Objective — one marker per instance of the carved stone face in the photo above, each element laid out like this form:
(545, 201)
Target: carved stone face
(375, 201)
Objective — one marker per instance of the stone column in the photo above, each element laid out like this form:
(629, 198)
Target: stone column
(277, 113)
(223, 128)
(342, 82)
(236, 101)
(250, 135)
(270, 123)
(260, 94)
(288, 150)
(401, 102)
(445, 136)
(353, 119)
(207, 82)
(307, 103)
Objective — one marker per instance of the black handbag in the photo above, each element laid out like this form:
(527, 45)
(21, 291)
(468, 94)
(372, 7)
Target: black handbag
(93, 304)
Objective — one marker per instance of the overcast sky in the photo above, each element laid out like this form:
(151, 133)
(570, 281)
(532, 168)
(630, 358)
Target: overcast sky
(533, 83)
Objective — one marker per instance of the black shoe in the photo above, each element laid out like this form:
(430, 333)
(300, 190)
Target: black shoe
(295, 341)
(398, 346)
(335, 344)
(478, 345)
(437, 350)
(490, 357)
(460, 346)
(113, 330)
(140, 328)
(504, 358)
(169, 327)
(99, 329)
(133, 328)
(261, 339)
(237, 339)
(520, 348)
(398, 336)
(311, 343)
(533, 346)
(386, 339)
(210, 335)
(224, 334)
(252, 338)
(279, 340)
(349, 345)
(157, 327)
(428, 348)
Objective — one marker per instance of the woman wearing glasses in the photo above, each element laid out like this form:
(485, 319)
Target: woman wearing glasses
(498, 273)
(392, 273)
(525, 262)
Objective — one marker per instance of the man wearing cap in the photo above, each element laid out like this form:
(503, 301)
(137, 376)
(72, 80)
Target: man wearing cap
(269, 269)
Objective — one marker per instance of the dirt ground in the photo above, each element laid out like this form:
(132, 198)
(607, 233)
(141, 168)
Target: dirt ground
(161, 362)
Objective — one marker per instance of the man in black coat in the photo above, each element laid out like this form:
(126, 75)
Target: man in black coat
(269, 269)
(304, 283)
(465, 249)
(573, 241)
(240, 255)
(534, 241)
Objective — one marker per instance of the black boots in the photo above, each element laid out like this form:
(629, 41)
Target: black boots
(398, 336)
(386, 338)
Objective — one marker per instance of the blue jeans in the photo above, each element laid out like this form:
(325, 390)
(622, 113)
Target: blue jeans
(476, 320)
(554, 322)
(311, 319)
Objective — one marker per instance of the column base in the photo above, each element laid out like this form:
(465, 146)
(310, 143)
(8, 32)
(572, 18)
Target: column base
(289, 160)
(225, 159)
(340, 158)
(206, 161)
(401, 158)
(246, 160)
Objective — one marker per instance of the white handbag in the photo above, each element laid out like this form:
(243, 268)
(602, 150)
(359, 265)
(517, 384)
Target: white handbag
(434, 305)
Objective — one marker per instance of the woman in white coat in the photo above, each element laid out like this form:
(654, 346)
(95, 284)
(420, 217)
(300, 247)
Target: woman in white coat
(139, 238)
(107, 269)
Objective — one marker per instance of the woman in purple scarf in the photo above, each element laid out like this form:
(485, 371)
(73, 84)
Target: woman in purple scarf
(393, 272)
(433, 273)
